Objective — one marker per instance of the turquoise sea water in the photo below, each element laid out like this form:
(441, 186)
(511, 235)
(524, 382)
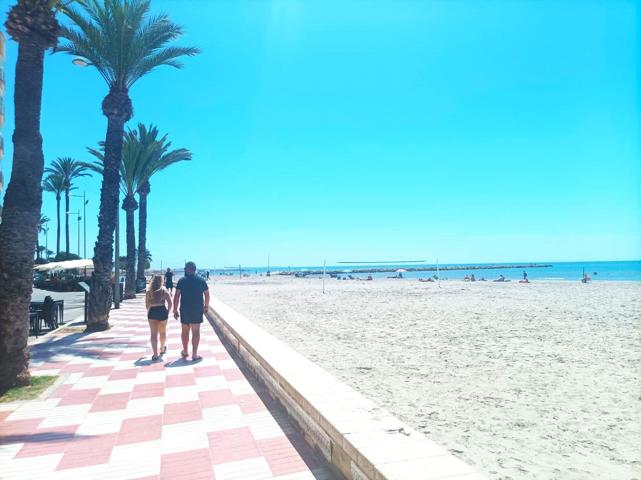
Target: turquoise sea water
(599, 271)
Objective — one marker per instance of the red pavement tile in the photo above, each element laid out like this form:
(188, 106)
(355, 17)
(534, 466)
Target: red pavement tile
(98, 371)
(78, 397)
(233, 374)
(210, 371)
(46, 441)
(182, 412)
(182, 380)
(148, 390)
(287, 455)
(87, 450)
(61, 390)
(4, 415)
(17, 431)
(232, 445)
(123, 374)
(222, 356)
(216, 398)
(131, 356)
(111, 401)
(189, 465)
(252, 403)
(141, 429)
(76, 367)
(77, 459)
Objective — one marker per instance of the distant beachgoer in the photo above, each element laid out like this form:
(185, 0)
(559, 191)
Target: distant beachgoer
(207, 275)
(466, 278)
(472, 278)
(586, 278)
(500, 279)
(158, 303)
(524, 275)
(189, 295)
(169, 280)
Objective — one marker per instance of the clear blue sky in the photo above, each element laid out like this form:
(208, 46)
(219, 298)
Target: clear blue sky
(469, 131)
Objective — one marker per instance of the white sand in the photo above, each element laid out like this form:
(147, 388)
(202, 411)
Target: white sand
(521, 381)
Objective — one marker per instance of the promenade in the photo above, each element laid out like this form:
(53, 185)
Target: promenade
(115, 415)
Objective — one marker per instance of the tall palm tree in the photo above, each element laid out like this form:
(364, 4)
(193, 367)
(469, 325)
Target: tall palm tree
(42, 227)
(161, 158)
(33, 24)
(55, 183)
(69, 169)
(123, 42)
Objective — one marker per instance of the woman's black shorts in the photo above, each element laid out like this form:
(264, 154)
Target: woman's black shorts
(158, 313)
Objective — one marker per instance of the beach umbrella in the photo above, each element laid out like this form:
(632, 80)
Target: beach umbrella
(401, 270)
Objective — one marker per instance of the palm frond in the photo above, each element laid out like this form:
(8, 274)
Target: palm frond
(122, 40)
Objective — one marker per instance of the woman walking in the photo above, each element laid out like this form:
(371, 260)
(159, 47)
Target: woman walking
(158, 302)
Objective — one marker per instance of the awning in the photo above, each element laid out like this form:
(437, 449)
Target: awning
(67, 265)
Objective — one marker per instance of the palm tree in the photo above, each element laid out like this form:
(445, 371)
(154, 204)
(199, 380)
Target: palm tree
(55, 183)
(162, 158)
(33, 24)
(69, 169)
(143, 154)
(123, 42)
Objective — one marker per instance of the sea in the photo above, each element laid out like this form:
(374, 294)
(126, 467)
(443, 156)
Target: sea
(598, 271)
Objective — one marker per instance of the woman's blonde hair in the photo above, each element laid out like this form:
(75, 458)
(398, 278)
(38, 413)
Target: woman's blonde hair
(155, 293)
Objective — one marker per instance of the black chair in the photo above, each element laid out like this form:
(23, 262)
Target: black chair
(50, 313)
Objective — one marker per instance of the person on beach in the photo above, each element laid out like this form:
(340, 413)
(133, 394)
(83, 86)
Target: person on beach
(169, 280)
(158, 303)
(207, 275)
(190, 291)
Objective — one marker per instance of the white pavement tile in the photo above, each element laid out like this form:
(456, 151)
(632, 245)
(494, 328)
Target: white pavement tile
(227, 364)
(181, 437)
(205, 384)
(240, 387)
(100, 423)
(7, 452)
(49, 371)
(89, 382)
(33, 409)
(93, 471)
(135, 460)
(118, 386)
(223, 418)
(151, 377)
(181, 394)
(143, 407)
(28, 468)
(73, 377)
(263, 425)
(250, 469)
(67, 415)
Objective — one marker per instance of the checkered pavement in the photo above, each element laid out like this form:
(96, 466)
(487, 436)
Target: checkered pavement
(116, 415)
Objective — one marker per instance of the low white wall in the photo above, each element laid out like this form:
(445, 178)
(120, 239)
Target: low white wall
(361, 440)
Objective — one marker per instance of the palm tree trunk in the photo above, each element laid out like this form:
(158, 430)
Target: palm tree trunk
(117, 108)
(21, 213)
(67, 219)
(58, 220)
(130, 205)
(142, 231)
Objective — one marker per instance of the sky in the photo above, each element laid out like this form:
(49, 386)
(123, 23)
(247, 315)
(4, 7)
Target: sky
(469, 131)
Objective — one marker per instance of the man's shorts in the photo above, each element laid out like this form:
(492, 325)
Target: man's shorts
(188, 318)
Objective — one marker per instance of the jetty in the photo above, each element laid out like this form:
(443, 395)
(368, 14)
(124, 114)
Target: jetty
(425, 268)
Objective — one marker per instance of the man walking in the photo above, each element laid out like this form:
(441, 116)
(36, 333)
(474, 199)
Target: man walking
(189, 294)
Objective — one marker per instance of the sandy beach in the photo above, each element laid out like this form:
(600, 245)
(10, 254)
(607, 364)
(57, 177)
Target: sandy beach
(522, 381)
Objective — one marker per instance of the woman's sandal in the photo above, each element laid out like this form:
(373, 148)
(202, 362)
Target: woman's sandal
(184, 354)
(163, 350)
(197, 358)
(155, 358)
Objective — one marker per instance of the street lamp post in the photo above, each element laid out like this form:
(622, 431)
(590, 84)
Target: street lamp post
(79, 217)
(84, 223)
